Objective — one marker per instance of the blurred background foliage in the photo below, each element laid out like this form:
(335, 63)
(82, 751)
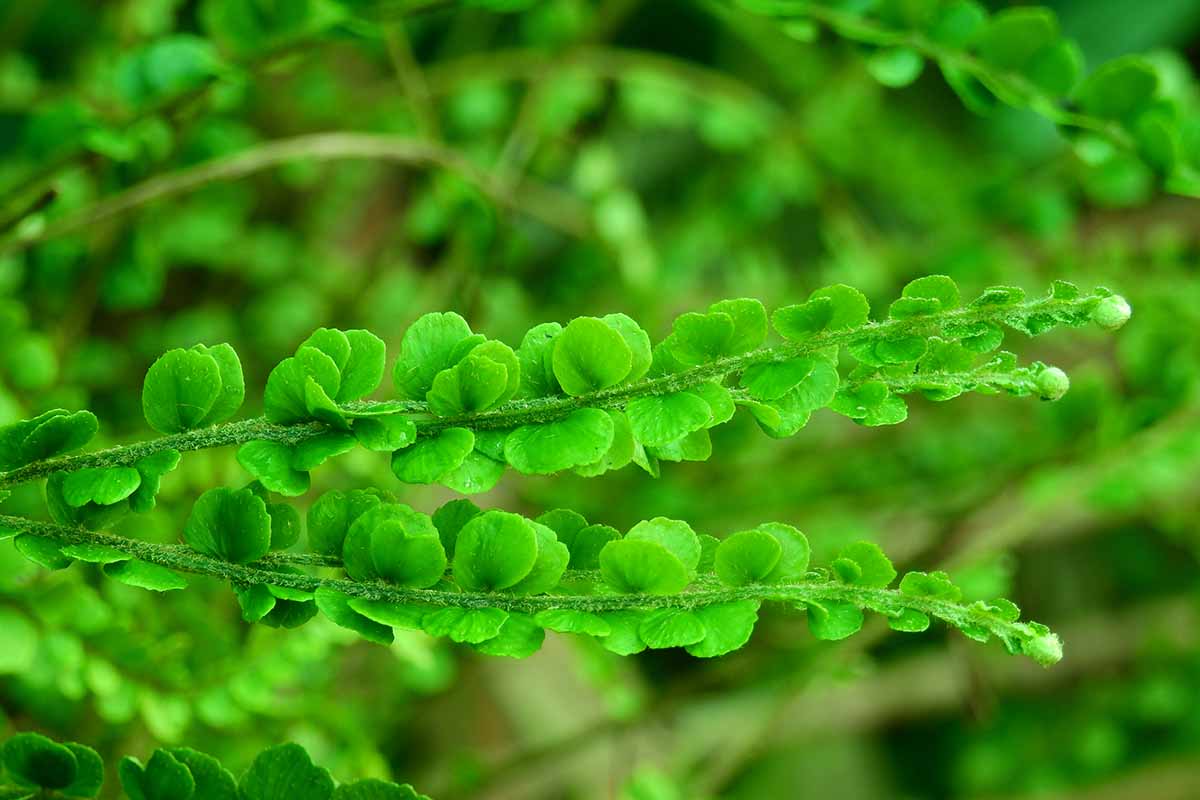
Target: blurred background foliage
(175, 172)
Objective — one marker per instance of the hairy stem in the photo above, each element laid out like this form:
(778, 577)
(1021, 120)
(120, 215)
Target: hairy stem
(544, 409)
(705, 593)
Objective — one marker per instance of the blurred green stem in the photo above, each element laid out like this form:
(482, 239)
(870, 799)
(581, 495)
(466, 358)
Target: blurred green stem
(547, 205)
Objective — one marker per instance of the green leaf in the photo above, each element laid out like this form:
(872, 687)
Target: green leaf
(700, 338)
(619, 453)
(536, 358)
(162, 778)
(565, 523)
(337, 608)
(773, 380)
(957, 22)
(89, 771)
(995, 296)
(213, 782)
(798, 322)
(285, 772)
(939, 288)
(638, 342)
(832, 621)
(502, 354)
(385, 434)
(144, 575)
(934, 584)
(359, 355)
(1014, 36)
(676, 536)
(1057, 69)
(494, 551)
(395, 615)
(475, 475)
(909, 621)
(658, 420)
(895, 67)
(566, 620)
(41, 551)
(230, 525)
(298, 385)
(151, 468)
(849, 307)
(469, 625)
(33, 760)
(749, 323)
(727, 627)
(315, 451)
(623, 638)
(449, 520)
(475, 384)
(180, 390)
(864, 564)
(585, 546)
(393, 543)
(233, 384)
(375, 789)
(47, 435)
(642, 567)
(285, 525)
(271, 465)
(94, 553)
(589, 355)
(548, 567)
(670, 627)
(519, 637)
(581, 438)
(747, 557)
(794, 552)
(429, 346)
(433, 457)
(330, 517)
(256, 601)
(1119, 89)
(101, 485)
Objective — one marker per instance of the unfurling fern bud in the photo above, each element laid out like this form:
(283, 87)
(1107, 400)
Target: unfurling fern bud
(1112, 312)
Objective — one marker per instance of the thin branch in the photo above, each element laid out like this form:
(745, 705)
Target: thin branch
(543, 203)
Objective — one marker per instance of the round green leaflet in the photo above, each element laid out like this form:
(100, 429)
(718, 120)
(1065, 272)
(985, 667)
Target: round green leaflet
(581, 438)
(393, 543)
(635, 567)
(590, 355)
(180, 390)
(230, 525)
(747, 557)
(495, 551)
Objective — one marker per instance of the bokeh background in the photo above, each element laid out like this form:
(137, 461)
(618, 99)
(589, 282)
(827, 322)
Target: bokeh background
(543, 160)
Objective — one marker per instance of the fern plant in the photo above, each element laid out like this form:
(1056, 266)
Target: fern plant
(591, 396)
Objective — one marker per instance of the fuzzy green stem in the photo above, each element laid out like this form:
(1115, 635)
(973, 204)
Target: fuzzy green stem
(548, 409)
(706, 592)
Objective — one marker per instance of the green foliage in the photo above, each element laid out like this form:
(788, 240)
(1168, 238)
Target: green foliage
(246, 171)
(188, 389)
(509, 578)
(45, 436)
(230, 525)
(34, 763)
(1018, 56)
